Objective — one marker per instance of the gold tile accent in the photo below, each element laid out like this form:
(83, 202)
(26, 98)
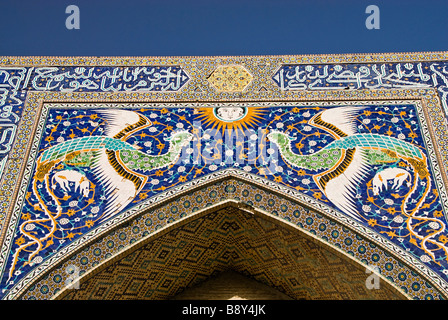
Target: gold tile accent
(230, 78)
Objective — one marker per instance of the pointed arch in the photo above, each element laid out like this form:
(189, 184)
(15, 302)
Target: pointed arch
(229, 236)
(249, 192)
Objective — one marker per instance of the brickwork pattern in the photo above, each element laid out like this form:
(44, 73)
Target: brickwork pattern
(230, 239)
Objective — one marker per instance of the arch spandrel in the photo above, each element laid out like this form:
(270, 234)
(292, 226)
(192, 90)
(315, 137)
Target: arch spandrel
(248, 196)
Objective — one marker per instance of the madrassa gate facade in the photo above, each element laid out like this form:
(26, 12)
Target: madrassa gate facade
(260, 177)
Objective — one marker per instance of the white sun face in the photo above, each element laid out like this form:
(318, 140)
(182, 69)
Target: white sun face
(230, 113)
(230, 117)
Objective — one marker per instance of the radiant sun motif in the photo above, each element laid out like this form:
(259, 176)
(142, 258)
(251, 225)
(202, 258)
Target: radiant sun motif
(230, 118)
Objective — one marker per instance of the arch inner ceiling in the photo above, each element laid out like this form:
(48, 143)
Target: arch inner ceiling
(230, 239)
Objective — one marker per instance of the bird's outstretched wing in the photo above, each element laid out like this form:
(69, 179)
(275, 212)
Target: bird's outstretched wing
(339, 182)
(121, 185)
(339, 122)
(123, 123)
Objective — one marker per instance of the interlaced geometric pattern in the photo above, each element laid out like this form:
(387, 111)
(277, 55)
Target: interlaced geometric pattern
(230, 239)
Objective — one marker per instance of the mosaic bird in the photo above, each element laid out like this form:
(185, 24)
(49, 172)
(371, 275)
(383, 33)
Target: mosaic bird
(346, 160)
(114, 161)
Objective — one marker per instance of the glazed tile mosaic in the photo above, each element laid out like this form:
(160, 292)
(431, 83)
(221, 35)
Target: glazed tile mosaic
(92, 146)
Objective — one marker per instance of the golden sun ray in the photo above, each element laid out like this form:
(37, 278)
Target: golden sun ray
(230, 118)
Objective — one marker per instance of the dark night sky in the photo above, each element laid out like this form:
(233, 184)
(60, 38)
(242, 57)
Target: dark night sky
(225, 27)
